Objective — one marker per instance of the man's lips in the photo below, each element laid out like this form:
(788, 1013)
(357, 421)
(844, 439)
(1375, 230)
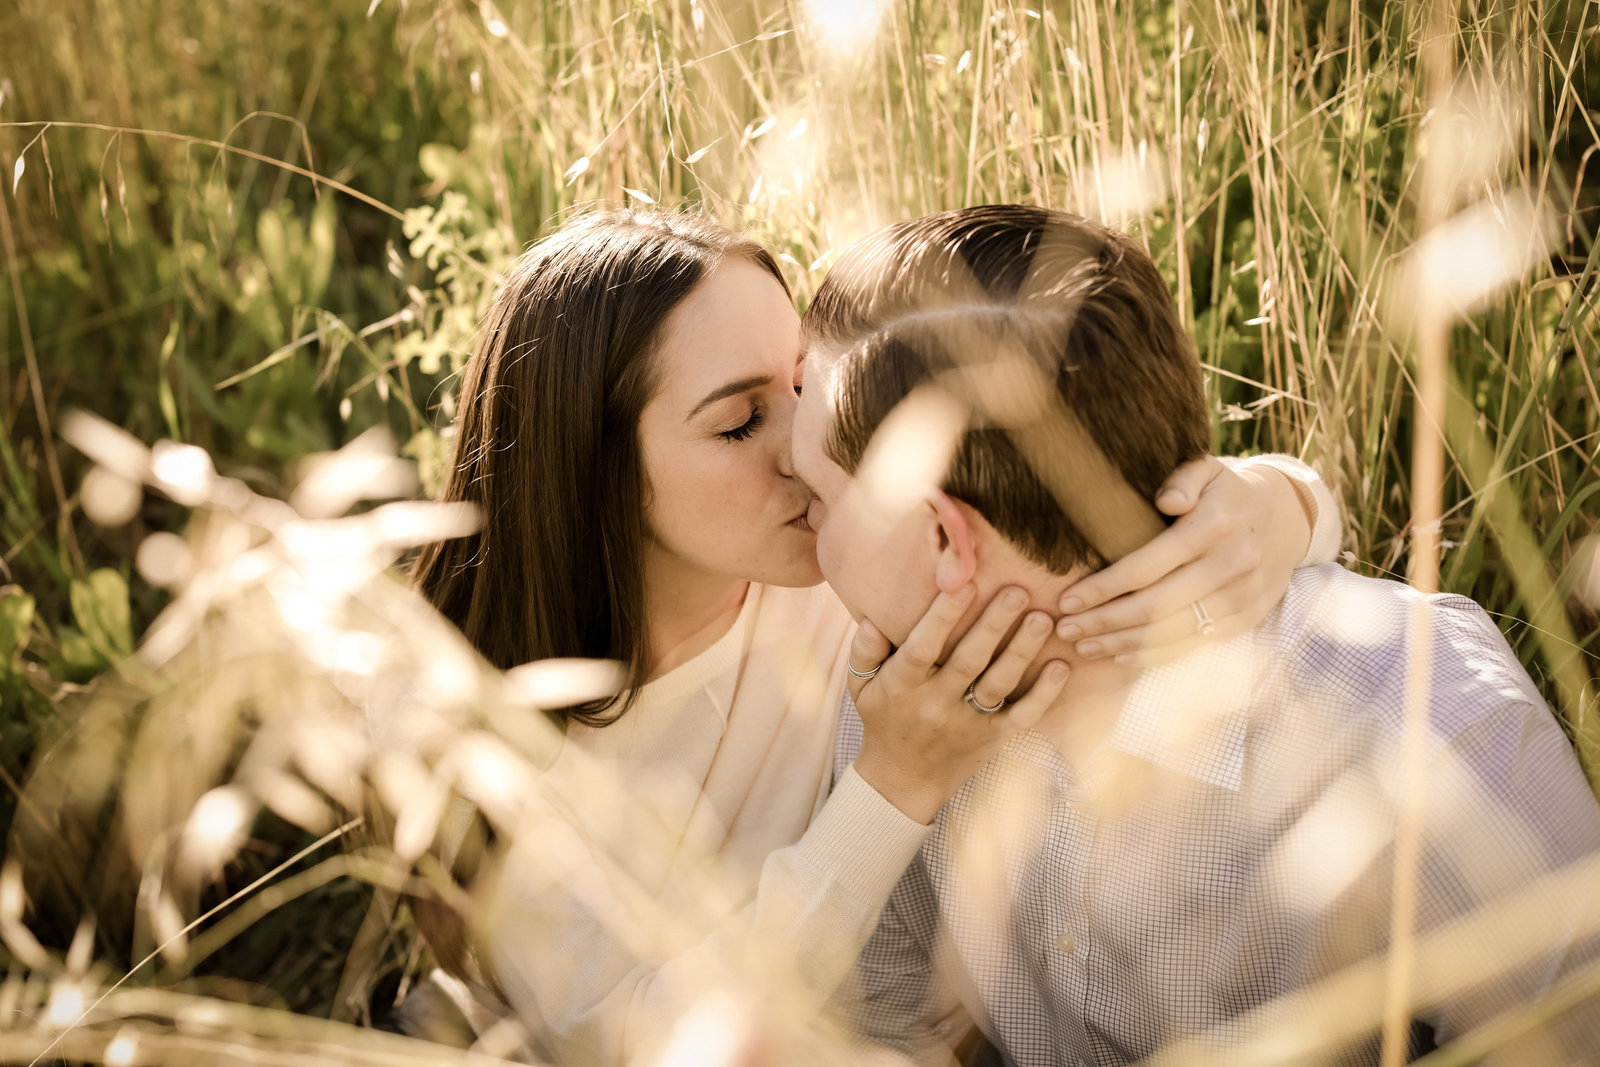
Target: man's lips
(802, 521)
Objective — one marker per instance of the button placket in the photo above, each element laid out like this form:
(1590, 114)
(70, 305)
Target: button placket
(1079, 826)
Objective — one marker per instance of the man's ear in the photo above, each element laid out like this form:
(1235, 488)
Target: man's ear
(956, 543)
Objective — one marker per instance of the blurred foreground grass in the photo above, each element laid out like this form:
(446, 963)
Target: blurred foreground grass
(263, 229)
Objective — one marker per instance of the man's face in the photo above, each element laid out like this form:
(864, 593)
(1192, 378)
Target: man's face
(882, 566)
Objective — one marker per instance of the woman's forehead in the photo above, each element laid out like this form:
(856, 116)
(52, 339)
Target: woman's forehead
(736, 323)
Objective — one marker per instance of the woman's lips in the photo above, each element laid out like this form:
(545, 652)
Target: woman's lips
(802, 521)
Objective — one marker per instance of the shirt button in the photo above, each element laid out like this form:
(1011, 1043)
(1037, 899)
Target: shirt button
(1066, 942)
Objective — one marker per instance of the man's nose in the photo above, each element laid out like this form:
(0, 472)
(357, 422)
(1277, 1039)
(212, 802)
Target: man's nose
(783, 419)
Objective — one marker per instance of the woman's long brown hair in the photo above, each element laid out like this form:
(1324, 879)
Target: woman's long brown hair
(547, 444)
(547, 447)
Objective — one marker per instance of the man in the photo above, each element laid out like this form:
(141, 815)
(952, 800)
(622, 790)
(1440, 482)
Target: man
(1196, 859)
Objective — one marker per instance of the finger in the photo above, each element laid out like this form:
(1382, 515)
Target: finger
(868, 650)
(975, 651)
(1005, 673)
(1031, 707)
(928, 637)
(1182, 489)
(1152, 643)
(1167, 596)
(1187, 539)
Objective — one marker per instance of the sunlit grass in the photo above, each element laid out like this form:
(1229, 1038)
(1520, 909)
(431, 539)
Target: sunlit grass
(262, 231)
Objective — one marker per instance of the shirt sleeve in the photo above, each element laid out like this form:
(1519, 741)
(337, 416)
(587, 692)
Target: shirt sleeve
(895, 997)
(1327, 525)
(601, 975)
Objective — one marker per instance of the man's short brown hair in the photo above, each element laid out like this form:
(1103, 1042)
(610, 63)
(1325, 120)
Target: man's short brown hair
(920, 300)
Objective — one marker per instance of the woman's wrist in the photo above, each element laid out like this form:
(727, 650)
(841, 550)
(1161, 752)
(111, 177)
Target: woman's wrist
(1315, 502)
(1292, 514)
(911, 793)
(1306, 503)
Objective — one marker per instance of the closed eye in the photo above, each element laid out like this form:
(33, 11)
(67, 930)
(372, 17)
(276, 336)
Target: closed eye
(748, 429)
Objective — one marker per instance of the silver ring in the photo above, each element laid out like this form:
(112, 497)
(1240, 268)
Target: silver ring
(1203, 621)
(863, 675)
(972, 699)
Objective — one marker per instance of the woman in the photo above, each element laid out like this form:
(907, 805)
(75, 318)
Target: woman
(624, 427)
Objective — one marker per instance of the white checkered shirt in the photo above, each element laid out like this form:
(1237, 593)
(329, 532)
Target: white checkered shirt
(1251, 853)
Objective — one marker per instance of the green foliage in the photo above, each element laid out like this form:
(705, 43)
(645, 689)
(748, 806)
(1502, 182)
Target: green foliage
(265, 228)
(16, 618)
(105, 631)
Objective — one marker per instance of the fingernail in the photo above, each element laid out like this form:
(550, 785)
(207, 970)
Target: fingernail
(1058, 671)
(1014, 599)
(1089, 648)
(1069, 631)
(1171, 499)
(1126, 659)
(1038, 625)
(1070, 605)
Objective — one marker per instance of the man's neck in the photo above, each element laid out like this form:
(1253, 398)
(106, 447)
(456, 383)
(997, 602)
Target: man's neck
(1082, 716)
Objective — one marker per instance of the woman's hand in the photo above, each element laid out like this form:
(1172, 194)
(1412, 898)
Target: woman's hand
(922, 738)
(1237, 540)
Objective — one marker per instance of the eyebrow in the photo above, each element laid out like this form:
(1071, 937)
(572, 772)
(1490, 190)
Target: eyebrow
(733, 388)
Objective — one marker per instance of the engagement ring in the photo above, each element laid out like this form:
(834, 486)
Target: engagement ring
(1203, 621)
(851, 667)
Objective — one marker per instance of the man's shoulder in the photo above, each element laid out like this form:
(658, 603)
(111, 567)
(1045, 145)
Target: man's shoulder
(1352, 636)
(1356, 610)
(1329, 588)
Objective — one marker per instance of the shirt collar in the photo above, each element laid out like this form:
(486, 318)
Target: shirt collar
(1190, 716)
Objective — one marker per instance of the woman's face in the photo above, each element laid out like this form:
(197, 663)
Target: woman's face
(715, 437)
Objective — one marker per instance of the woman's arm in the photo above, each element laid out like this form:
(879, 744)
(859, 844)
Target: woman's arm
(1242, 528)
(604, 970)
(602, 976)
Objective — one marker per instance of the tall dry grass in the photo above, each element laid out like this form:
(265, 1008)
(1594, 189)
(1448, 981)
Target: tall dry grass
(262, 228)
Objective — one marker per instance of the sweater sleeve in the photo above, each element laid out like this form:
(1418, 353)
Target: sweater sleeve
(601, 978)
(1322, 510)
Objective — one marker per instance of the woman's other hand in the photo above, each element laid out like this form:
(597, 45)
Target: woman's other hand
(922, 737)
(1237, 539)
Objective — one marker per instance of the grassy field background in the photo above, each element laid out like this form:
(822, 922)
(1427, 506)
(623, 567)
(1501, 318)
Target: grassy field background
(263, 229)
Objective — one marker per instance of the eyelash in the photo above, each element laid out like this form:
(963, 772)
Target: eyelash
(745, 432)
